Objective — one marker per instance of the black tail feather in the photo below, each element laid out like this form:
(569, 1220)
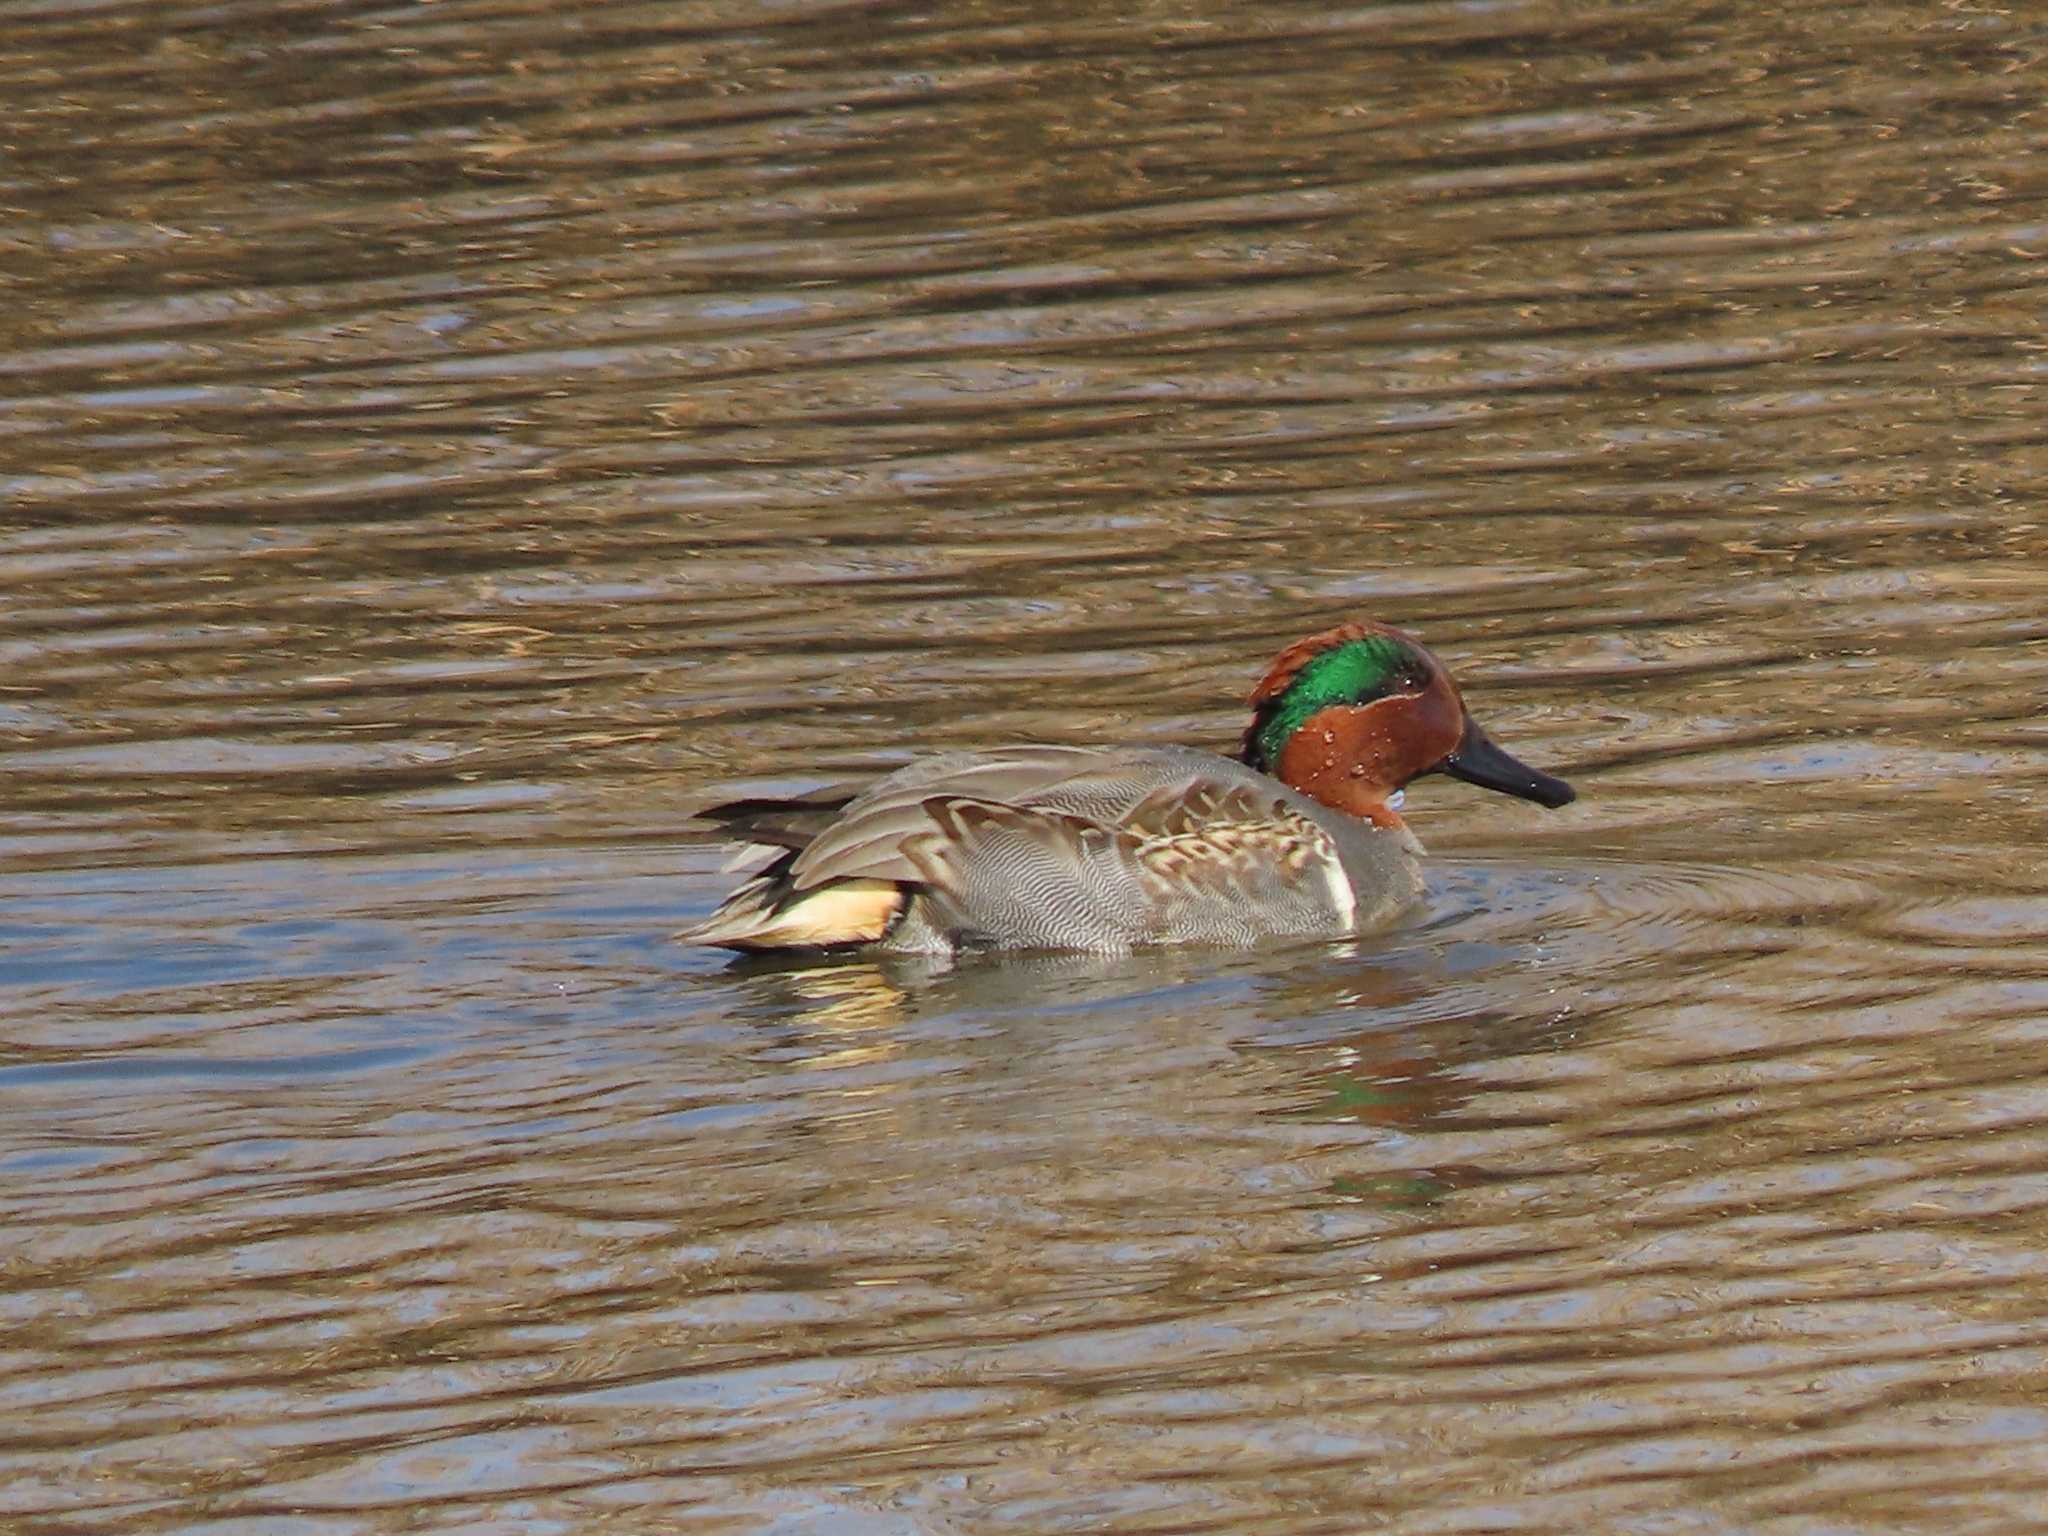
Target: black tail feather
(780, 822)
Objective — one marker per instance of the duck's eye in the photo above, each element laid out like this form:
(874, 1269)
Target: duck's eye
(1412, 677)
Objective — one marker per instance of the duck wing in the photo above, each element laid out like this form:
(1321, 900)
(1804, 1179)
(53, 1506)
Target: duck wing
(1083, 849)
(869, 838)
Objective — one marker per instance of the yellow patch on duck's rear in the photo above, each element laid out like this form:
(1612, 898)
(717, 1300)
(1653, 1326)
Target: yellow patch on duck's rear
(843, 912)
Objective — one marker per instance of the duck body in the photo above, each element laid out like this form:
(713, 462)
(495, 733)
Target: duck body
(1060, 847)
(1107, 849)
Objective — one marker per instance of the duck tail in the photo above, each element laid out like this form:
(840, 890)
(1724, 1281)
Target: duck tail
(768, 911)
(779, 823)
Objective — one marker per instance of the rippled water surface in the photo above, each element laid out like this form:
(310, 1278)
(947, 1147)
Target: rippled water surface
(444, 445)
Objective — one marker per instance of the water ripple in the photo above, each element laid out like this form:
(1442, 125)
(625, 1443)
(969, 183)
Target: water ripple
(446, 446)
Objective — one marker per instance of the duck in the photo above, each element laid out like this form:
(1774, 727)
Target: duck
(1107, 849)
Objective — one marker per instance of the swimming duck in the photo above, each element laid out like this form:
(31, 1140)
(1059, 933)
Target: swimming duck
(1109, 848)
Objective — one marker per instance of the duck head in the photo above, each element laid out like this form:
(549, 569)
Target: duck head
(1351, 715)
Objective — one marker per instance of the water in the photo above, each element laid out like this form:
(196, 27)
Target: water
(443, 446)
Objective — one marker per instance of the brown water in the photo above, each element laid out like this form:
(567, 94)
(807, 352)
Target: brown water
(442, 445)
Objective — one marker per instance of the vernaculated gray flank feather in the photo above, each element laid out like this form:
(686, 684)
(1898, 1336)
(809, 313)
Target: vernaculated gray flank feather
(1051, 847)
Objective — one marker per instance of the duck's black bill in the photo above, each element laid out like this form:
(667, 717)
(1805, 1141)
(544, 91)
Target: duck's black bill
(1479, 761)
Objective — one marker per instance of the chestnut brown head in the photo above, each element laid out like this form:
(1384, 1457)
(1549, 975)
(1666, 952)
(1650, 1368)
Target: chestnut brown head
(1351, 715)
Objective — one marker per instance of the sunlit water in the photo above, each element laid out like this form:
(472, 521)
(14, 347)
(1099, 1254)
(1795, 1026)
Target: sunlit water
(442, 446)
